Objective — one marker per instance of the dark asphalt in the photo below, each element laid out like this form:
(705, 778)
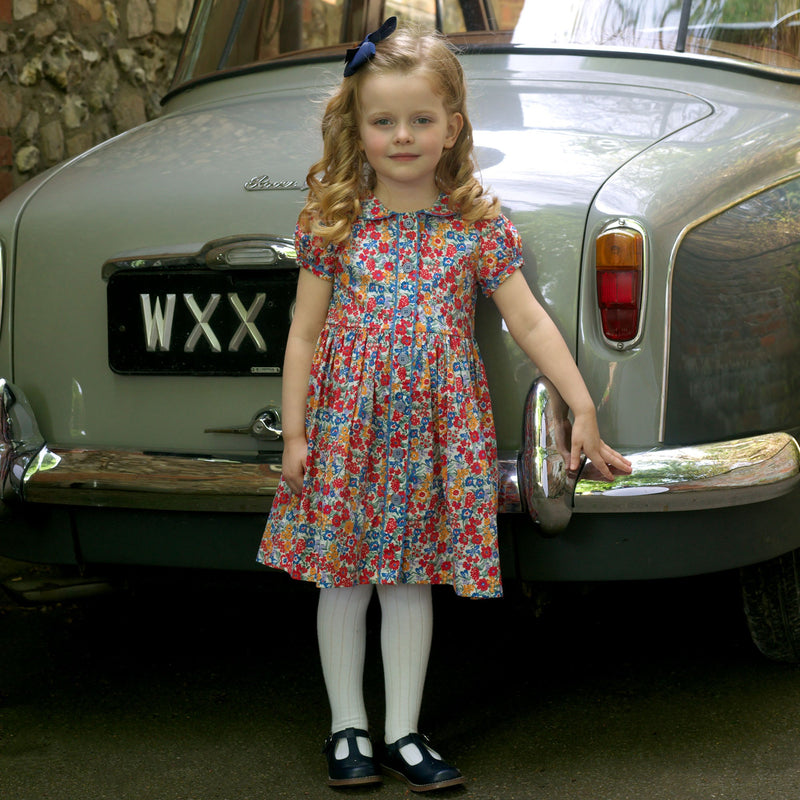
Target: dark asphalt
(204, 688)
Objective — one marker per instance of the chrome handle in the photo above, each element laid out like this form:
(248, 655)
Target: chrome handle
(265, 426)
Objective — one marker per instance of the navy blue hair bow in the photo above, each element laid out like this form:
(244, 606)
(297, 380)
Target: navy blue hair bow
(358, 56)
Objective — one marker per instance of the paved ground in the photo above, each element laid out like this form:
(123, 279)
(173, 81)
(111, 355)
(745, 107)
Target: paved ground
(211, 691)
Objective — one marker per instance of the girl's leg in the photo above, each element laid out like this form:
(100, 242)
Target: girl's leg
(342, 634)
(406, 630)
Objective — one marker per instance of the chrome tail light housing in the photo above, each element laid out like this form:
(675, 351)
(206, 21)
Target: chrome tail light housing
(620, 275)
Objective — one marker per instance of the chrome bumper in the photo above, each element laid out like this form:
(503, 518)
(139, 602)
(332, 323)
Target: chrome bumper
(535, 480)
(704, 476)
(35, 472)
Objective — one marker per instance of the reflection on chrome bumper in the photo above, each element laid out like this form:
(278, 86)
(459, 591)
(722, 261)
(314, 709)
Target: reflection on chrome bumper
(20, 440)
(730, 473)
(127, 479)
(676, 479)
(688, 478)
(547, 484)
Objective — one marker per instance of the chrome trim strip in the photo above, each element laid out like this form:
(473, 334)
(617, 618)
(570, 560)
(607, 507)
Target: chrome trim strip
(703, 476)
(130, 479)
(662, 422)
(186, 256)
(211, 255)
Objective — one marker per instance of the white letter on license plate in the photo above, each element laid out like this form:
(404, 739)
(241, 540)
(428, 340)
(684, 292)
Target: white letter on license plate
(202, 327)
(157, 325)
(247, 317)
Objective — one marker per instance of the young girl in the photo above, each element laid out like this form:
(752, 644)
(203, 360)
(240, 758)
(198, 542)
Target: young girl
(389, 464)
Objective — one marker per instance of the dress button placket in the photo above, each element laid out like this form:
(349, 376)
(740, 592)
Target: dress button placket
(400, 398)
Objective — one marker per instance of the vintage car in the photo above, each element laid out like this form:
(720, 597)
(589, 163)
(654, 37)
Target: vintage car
(647, 150)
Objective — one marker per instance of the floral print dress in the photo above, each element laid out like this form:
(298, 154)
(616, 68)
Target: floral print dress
(401, 477)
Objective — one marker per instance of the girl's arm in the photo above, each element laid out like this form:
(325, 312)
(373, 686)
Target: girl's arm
(311, 308)
(538, 336)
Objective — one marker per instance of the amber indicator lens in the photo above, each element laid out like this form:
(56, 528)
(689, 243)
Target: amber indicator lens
(619, 256)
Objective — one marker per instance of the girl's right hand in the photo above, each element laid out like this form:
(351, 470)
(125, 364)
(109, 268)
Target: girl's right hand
(293, 467)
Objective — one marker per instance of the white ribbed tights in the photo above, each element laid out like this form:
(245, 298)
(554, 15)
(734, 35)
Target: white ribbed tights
(406, 629)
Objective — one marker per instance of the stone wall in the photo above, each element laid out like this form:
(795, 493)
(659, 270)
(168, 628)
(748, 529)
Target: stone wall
(76, 72)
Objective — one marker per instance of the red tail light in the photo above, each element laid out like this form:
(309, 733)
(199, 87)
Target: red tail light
(619, 267)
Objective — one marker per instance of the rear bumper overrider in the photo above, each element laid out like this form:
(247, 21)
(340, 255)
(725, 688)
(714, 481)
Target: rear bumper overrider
(535, 481)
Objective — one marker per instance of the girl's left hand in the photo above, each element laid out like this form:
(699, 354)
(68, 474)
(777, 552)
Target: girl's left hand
(586, 439)
(295, 452)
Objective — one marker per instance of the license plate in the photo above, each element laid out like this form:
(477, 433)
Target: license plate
(199, 322)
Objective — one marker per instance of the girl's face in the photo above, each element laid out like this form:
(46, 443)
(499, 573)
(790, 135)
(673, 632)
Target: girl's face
(404, 130)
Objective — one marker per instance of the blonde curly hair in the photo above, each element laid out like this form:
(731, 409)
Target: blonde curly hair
(342, 177)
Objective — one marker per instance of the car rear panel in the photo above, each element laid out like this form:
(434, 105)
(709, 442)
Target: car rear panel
(747, 147)
(178, 183)
(174, 184)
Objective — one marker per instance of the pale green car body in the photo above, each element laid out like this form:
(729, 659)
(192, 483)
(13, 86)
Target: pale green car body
(700, 153)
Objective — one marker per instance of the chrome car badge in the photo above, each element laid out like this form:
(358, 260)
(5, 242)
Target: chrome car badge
(263, 183)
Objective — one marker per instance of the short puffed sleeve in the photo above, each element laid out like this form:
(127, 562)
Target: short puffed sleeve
(500, 252)
(312, 254)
